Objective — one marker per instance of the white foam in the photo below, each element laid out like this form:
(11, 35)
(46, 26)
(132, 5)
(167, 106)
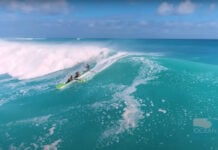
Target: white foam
(25, 60)
(35, 146)
(51, 130)
(162, 110)
(35, 120)
(105, 63)
(13, 147)
(2, 102)
(163, 100)
(52, 146)
(132, 113)
(38, 120)
(148, 114)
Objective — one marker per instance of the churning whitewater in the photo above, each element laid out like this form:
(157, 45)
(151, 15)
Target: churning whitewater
(136, 96)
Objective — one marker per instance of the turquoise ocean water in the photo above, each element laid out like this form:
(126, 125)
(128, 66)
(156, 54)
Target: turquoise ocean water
(139, 95)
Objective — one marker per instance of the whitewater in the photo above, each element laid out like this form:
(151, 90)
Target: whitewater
(139, 94)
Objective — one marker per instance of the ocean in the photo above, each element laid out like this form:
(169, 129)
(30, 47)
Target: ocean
(140, 94)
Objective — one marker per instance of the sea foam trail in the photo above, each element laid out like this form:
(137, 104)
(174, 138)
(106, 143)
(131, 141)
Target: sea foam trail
(52, 146)
(26, 60)
(132, 113)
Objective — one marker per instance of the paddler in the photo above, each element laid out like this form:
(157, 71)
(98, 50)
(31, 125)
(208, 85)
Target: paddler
(69, 79)
(77, 74)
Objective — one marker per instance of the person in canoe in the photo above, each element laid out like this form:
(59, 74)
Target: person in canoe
(87, 67)
(77, 74)
(69, 79)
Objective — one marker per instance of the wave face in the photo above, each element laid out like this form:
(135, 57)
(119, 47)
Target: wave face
(133, 98)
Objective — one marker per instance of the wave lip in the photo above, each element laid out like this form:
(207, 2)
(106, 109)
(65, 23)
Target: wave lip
(30, 60)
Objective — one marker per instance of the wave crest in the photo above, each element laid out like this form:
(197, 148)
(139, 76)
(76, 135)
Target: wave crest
(25, 60)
